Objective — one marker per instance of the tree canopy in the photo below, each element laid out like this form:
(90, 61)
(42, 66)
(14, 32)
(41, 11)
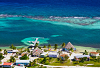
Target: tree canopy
(5, 51)
(36, 45)
(49, 46)
(1, 56)
(85, 53)
(44, 46)
(98, 51)
(44, 60)
(0, 50)
(63, 44)
(12, 59)
(12, 47)
(25, 57)
(55, 46)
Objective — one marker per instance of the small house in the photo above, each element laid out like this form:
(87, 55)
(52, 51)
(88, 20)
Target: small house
(7, 65)
(24, 53)
(82, 56)
(94, 54)
(53, 54)
(63, 56)
(25, 62)
(37, 52)
(12, 51)
(68, 46)
(44, 54)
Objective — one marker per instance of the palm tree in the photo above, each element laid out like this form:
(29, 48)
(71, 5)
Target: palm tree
(0, 50)
(5, 52)
(28, 50)
(49, 46)
(31, 63)
(1, 56)
(44, 46)
(55, 46)
(12, 59)
(59, 52)
(12, 47)
(85, 53)
(34, 62)
(36, 44)
(71, 49)
(63, 44)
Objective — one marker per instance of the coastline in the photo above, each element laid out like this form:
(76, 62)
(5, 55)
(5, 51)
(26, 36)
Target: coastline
(79, 49)
(7, 47)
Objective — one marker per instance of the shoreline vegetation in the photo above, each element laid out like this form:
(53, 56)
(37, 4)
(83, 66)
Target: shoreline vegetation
(79, 48)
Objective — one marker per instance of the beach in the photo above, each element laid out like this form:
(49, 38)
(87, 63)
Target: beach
(79, 49)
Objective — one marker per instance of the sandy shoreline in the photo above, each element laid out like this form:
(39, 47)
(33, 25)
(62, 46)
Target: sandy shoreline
(7, 47)
(78, 48)
(82, 49)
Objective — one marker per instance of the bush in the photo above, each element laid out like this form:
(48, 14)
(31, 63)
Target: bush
(12, 59)
(25, 57)
(47, 63)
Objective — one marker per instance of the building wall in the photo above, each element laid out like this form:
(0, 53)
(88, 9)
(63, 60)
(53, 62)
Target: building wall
(94, 54)
(22, 63)
(6, 66)
(54, 56)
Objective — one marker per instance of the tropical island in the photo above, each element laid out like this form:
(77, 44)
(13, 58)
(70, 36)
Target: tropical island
(48, 56)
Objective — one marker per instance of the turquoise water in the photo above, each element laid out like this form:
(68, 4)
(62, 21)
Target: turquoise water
(19, 30)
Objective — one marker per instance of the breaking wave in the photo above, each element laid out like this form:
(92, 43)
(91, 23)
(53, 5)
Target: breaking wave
(76, 22)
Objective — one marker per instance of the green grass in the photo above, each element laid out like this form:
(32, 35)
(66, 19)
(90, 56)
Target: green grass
(55, 62)
(64, 63)
(0, 62)
(35, 67)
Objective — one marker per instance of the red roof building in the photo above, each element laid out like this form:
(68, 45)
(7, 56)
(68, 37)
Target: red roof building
(7, 64)
(63, 55)
(94, 54)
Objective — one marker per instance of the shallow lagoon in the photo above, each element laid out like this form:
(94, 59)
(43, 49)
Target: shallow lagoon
(15, 29)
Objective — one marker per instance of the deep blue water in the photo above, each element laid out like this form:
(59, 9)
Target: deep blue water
(21, 29)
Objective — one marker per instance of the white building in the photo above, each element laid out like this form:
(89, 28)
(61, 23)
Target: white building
(25, 62)
(12, 51)
(44, 54)
(53, 54)
(94, 54)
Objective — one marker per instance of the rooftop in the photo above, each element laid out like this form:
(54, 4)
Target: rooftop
(52, 53)
(81, 56)
(7, 63)
(94, 52)
(44, 53)
(37, 50)
(22, 61)
(63, 55)
(69, 45)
